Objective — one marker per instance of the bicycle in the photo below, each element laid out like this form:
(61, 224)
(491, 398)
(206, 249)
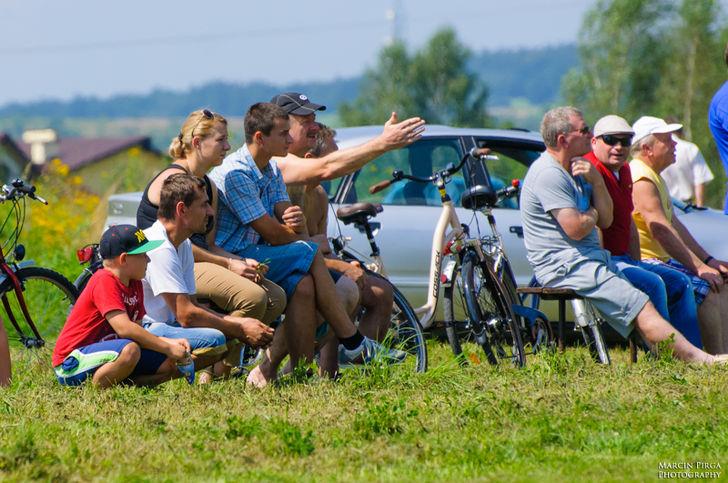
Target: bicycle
(25, 286)
(405, 333)
(536, 331)
(535, 327)
(90, 255)
(468, 278)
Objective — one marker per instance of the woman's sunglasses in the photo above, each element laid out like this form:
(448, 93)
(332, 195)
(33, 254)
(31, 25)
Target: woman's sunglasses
(206, 114)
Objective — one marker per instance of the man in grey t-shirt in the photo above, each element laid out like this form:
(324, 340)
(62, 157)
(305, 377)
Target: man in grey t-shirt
(563, 200)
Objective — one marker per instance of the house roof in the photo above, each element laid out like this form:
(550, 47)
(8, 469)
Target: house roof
(7, 141)
(79, 152)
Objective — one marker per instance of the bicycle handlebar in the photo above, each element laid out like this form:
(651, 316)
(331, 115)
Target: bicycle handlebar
(19, 189)
(482, 154)
(510, 191)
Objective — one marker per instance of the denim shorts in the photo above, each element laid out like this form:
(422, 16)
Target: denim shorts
(287, 264)
(83, 362)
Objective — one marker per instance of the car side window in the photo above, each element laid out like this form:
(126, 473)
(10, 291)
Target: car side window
(331, 186)
(420, 159)
(512, 163)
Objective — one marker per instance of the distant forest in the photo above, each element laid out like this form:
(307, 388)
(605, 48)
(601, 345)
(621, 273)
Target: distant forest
(530, 74)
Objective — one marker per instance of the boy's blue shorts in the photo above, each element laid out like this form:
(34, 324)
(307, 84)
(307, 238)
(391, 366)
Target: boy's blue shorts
(83, 362)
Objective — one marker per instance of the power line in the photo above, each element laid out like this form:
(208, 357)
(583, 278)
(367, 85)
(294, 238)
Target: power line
(469, 15)
(183, 39)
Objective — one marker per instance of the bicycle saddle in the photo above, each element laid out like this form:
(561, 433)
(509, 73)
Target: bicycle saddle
(479, 196)
(358, 212)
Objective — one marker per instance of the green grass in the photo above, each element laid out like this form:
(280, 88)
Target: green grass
(560, 418)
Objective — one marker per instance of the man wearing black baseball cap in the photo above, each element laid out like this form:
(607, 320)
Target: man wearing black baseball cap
(303, 128)
(297, 104)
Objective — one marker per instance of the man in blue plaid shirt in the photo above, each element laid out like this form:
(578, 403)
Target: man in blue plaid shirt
(256, 220)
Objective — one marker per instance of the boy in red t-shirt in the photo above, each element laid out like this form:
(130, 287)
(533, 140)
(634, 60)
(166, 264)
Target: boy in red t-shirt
(102, 337)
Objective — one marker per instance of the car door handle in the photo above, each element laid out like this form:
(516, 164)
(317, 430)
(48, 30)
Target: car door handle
(518, 230)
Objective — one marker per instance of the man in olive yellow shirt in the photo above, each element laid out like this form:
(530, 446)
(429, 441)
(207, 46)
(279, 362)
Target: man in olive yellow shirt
(664, 239)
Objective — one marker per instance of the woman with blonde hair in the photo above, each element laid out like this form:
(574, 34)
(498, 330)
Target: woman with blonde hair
(236, 286)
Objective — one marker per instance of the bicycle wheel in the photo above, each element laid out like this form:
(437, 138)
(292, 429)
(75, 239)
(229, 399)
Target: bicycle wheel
(493, 321)
(405, 332)
(451, 326)
(460, 327)
(537, 335)
(48, 297)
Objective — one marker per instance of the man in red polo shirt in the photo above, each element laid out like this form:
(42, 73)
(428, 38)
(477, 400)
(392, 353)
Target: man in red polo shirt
(669, 290)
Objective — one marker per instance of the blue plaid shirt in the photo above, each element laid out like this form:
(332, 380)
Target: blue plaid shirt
(245, 194)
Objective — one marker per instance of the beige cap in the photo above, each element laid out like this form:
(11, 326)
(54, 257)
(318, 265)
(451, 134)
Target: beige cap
(612, 124)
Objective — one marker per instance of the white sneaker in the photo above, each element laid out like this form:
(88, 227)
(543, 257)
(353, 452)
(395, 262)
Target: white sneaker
(368, 351)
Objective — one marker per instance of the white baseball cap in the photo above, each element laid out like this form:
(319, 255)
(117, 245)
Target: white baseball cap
(647, 125)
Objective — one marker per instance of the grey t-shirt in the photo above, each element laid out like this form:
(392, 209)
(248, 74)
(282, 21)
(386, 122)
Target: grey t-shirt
(547, 186)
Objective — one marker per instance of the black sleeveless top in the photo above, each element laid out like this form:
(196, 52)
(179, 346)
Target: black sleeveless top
(147, 212)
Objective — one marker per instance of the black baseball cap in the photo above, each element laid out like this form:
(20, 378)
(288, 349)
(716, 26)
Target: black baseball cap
(128, 239)
(296, 103)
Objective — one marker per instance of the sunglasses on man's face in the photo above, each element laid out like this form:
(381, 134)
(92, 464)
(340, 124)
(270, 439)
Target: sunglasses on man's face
(583, 131)
(613, 140)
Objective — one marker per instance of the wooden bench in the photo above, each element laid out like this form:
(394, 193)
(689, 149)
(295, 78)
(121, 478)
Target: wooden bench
(566, 294)
(548, 293)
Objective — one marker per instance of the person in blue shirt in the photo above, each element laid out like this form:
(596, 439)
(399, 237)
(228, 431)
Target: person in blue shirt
(718, 122)
(256, 220)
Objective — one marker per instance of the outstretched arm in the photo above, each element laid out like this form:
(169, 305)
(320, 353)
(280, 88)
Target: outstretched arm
(395, 135)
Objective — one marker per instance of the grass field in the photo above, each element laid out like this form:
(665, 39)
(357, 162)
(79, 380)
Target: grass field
(562, 418)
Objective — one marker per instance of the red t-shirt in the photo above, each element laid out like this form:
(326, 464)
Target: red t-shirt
(616, 237)
(87, 322)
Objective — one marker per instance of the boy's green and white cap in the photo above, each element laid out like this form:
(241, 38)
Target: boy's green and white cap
(128, 239)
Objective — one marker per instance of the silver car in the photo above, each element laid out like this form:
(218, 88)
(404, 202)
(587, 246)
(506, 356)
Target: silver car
(411, 210)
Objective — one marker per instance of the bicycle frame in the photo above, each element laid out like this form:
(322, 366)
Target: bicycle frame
(447, 230)
(440, 238)
(7, 272)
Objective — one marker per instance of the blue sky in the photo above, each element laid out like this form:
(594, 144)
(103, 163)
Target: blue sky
(52, 49)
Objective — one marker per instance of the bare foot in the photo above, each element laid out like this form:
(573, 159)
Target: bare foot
(257, 379)
(204, 377)
(719, 359)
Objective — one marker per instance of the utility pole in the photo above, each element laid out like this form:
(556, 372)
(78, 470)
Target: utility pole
(395, 17)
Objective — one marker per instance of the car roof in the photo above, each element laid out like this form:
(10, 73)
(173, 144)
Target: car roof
(348, 136)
